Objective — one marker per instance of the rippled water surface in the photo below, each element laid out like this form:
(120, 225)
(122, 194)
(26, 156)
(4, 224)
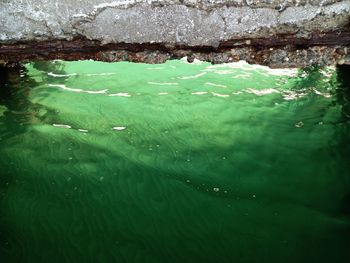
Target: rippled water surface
(173, 163)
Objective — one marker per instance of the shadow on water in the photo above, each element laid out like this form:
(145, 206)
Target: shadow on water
(309, 77)
(343, 98)
(16, 109)
(13, 99)
(339, 145)
(16, 113)
(343, 90)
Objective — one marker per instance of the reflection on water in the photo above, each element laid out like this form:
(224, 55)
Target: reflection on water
(174, 163)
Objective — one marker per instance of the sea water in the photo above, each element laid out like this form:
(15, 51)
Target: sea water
(175, 162)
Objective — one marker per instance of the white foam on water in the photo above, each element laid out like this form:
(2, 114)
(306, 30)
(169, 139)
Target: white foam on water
(220, 95)
(64, 126)
(119, 128)
(299, 124)
(61, 75)
(64, 87)
(194, 76)
(199, 93)
(247, 67)
(100, 74)
(261, 92)
(97, 91)
(326, 95)
(120, 94)
(241, 76)
(215, 85)
(163, 83)
(224, 72)
(292, 95)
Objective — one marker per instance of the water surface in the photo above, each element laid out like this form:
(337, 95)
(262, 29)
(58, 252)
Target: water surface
(173, 163)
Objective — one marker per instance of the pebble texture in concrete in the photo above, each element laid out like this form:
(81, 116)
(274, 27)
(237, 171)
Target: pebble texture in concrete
(187, 23)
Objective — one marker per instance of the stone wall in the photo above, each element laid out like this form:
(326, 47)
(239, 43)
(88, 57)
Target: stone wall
(289, 33)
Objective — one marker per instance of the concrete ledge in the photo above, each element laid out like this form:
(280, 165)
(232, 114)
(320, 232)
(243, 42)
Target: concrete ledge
(276, 33)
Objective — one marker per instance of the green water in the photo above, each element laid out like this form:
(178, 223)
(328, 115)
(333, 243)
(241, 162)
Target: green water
(174, 163)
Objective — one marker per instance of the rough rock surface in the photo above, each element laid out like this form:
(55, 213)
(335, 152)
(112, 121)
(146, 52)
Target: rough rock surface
(277, 33)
